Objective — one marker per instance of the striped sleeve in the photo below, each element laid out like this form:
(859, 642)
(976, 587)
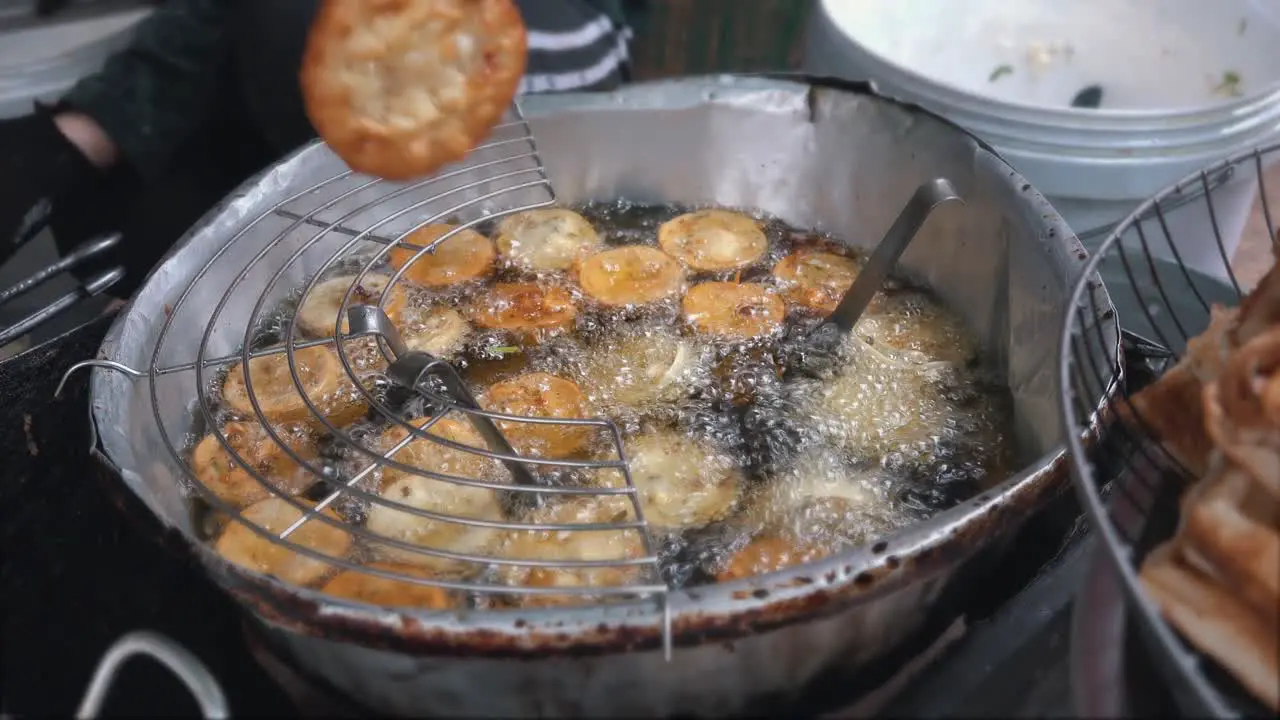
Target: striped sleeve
(572, 46)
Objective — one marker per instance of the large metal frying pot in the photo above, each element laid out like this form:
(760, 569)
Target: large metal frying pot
(834, 156)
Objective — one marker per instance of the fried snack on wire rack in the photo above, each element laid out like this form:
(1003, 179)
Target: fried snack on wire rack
(399, 88)
(1217, 580)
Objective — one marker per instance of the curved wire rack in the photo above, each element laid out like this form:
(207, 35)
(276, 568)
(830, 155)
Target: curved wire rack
(369, 217)
(1128, 484)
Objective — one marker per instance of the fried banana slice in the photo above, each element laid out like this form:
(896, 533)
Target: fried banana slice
(1260, 309)
(766, 554)
(1173, 408)
(400, 88)
(385, 592)
(439, 331)
(1235, 531)
(529, 310)
(322, 377)
(1242, 407)
(546, 239)
(231, 482)
(815, 280)
(682, 483)
(573, 546)
(247, 548)
(1214, 619)
(319, 311)
(641, 369)
(630, 275)
(734, 310)
(437, 496)
(540, 395)
(713, 240)
(464, 257)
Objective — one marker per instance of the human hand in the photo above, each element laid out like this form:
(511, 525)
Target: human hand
(44, 156)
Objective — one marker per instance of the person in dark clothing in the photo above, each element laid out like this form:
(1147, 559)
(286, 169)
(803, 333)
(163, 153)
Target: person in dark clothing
(205, 96)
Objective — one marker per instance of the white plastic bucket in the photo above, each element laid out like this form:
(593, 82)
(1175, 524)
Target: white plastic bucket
(1185, 84)
(42, 62)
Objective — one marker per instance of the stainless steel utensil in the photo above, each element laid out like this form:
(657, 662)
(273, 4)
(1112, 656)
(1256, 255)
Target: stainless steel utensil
(94, 286)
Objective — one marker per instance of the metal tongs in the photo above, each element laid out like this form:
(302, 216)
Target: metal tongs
(93, 286)
(829, 337)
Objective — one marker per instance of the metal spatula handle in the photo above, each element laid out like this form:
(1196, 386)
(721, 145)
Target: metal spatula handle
(904, 229)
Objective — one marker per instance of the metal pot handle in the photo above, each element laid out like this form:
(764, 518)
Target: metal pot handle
(199, 681)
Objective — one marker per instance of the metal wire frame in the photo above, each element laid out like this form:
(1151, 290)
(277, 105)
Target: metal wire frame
(517, 180)
(1129, 484)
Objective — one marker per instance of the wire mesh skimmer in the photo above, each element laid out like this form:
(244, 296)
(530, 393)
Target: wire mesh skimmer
(349, 223)
(1129, 485)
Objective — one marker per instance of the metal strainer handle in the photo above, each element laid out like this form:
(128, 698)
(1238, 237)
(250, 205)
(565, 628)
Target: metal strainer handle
(409, 369)
(199, 681)
(871, 279)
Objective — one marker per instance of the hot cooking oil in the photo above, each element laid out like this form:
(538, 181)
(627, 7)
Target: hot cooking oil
(903, 420)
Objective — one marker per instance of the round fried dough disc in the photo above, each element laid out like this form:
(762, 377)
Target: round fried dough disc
(377, 590)
(540, 395)
(713, 240)
(815, 280)
(630, 275)
(400, 88)
(269, 556)
(466, 255)
(546, 239)
(738, 310)
(319, 310)
(526, 309)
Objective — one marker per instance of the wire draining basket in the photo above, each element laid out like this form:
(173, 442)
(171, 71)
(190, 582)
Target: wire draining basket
(1129, 485)
(347, 224)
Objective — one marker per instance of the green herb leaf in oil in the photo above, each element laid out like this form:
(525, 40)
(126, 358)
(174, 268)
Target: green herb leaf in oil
(1000, 72)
